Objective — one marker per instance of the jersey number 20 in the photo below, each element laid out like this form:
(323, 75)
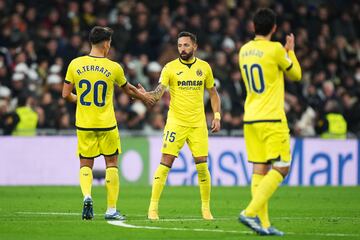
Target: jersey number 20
(87, 85)
(251, 78)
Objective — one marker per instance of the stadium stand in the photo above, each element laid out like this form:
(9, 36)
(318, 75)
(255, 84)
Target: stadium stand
(38, 41)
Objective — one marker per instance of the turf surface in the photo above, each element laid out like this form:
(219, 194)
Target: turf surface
(54, 213)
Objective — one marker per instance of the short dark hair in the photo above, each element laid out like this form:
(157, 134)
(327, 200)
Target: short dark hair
(188, 34)
(22, 100)
(99, 34)
(264, 20)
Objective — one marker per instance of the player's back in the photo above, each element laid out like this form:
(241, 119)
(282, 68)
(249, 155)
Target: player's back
(94, 79)
(262, 65)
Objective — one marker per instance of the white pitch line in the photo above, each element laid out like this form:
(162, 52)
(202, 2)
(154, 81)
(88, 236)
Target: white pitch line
(125, 225)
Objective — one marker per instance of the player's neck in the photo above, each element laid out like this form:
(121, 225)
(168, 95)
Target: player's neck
(262, 37)
(190, 60)
(95, 52)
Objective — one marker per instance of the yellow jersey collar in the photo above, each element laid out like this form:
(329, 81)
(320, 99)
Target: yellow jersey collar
(94, 56)
(188, 63)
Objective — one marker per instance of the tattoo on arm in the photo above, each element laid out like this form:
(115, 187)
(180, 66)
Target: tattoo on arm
(158, 92)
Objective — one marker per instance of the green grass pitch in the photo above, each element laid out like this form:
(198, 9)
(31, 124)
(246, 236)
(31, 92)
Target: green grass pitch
(54, 212)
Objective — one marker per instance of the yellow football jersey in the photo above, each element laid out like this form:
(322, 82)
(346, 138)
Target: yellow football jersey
(263, 64)
(94, 79)
(186, 82)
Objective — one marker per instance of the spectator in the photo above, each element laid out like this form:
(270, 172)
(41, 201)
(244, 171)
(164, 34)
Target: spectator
(26, 119)
(34, 37)
(332, 124)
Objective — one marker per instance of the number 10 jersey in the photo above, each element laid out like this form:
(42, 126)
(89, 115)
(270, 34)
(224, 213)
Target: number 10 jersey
(263, 64)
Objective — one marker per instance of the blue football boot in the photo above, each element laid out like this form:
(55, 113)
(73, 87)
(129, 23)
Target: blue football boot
(88, 212)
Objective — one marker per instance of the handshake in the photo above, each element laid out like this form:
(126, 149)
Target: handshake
(151, 97)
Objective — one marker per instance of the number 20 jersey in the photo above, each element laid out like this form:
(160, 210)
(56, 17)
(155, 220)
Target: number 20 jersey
(94, 78)
(262, 65)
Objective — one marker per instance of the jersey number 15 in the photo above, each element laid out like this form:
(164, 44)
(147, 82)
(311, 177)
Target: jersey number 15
(99, 86)
(251, 78)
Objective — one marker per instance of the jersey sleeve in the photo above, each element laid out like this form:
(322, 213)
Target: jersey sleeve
(288, 62)
(120, 78)
(209, 81)
(165, 76)
(69, 78)
(282, 58)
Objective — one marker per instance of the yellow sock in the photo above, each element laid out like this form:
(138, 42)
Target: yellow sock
(204, 184)
(264, 191)
(160, 177)
(263, 212)
(86, 178)
(112, 186)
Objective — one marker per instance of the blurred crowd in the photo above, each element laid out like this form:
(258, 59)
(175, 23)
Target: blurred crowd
(37, 42)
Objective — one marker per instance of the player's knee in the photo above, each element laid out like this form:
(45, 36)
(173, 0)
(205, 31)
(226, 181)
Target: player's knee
(86, 163)
(200, 160)
(167, 160)
(282, 170)
(261, 168)
(111, 161)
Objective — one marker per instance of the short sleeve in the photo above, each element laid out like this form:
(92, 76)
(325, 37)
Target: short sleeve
(209, 81)
(282, 58)
(120, 78)
(165, 76)
(69, 78)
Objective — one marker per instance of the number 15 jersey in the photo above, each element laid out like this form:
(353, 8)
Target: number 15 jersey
(94, 79)
(263, 64)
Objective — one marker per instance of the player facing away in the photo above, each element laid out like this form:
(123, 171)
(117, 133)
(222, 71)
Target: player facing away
(93, 77)
(186, 77)
(263, 64)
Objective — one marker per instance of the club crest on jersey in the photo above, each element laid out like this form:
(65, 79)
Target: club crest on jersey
(199, 72)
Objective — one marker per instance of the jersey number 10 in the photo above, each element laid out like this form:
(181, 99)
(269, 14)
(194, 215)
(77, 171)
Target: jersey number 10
(251, 80)
(87, 85)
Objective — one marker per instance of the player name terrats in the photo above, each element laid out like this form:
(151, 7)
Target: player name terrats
(93, 68)
(190, 83)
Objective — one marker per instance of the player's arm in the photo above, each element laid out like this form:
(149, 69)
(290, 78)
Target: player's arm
(132, 91)
(164, 80)
(69, 85)
(216, 107)
(293, 71)
(67, 92)
(158, 92)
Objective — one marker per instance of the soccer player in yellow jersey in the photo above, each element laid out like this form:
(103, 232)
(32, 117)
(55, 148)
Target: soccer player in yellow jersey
(186, 77)
(93, 77)
(263, 64)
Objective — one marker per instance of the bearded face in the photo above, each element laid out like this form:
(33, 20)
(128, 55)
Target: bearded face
(186, 48)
